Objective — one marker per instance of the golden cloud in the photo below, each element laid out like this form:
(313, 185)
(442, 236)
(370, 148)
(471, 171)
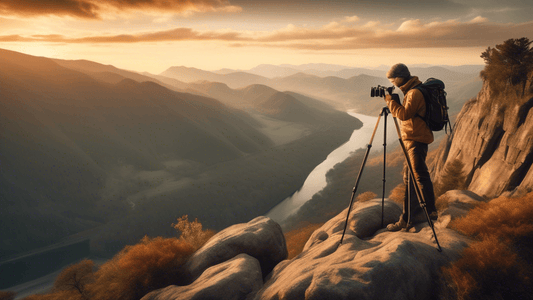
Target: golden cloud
(94, 9)
(334, 36)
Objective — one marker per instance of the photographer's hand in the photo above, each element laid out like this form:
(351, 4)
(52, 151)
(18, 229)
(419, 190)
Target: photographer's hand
(387, 98)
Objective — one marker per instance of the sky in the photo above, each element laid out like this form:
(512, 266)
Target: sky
(153, 35)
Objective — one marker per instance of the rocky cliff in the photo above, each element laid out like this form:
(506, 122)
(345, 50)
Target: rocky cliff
(493, 139)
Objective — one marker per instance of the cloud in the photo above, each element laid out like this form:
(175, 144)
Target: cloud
(177, 34)
(95, 9)
(477, 32)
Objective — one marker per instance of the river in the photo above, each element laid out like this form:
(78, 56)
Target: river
(316, 180)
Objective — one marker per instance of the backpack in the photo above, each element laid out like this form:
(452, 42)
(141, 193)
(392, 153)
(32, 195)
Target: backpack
(436, 107)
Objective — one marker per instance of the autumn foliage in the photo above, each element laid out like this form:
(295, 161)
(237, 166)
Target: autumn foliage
(7, 295)
(297, 238)
(498, 265)
(151, 264)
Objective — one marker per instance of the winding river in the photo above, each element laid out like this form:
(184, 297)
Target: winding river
(316, 181)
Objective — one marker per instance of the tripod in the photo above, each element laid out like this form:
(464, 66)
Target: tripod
(385, 112)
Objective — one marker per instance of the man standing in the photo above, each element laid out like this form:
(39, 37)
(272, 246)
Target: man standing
(416, 136)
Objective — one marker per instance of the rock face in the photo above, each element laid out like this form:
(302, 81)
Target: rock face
(235, 279)
(493, 138)
(459, 203)
(371, 263)
(387, 265)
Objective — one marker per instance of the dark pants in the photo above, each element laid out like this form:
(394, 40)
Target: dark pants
(417, 153)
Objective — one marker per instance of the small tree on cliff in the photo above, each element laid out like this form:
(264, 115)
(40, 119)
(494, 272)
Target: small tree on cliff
(508, 63)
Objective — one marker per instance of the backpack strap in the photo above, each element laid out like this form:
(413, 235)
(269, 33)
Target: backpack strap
(419, 87)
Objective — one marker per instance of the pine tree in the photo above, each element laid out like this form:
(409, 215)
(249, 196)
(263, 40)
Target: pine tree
(508, 63)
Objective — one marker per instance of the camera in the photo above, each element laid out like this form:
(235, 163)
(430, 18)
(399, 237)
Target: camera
(379, 91)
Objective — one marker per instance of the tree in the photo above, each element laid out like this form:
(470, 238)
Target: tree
(508, 63)
(76, 277)
(452, 178)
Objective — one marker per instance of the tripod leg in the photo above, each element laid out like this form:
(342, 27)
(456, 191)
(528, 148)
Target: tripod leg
(359, 177)
(385, 112)
(419, 194)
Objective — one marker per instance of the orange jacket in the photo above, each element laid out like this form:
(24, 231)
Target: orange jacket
(413, 128)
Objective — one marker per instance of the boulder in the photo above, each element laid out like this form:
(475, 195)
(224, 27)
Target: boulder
(459, 203)
(261, 238)
(364, 220)
(237, 279)
(387, 265)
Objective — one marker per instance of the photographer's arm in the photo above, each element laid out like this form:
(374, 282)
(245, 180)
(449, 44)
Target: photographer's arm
(409, 108)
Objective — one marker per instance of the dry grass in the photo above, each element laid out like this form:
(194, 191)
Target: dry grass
(394, 158)
(442, 202)
(7, 295)
(151, 264)
(505, 218)
(398, 193)
(192, 232)
(141, 268)
(366, 196)
(498, 265)
(297, 238)
(452, 178)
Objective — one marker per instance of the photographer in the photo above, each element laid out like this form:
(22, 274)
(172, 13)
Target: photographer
(416, 136)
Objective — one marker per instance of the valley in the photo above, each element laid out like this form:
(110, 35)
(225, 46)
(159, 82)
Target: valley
(94, 152)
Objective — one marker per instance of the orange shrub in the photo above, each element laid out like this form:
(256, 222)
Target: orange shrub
(75, 278)
(452, 178)
(442, 202)
(498, 265)
(7, 295)
(192, 232)
(366, 196)
(151, 264)
(506, 218)
(141, 268)
(297, 238)
(398, 193)
(488, 268)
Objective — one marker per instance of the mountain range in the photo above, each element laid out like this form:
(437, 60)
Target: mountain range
(343, 88)
(84, 144)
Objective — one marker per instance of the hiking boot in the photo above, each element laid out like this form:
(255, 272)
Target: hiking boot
(402, 224)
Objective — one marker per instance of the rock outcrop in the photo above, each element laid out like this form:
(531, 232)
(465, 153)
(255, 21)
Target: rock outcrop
(260, 238)
(493, 138)
(235, 279)
(371, 263)
(386, 265)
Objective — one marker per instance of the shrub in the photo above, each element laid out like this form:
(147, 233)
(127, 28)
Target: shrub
(75, 278)
(452, 178)
(192, 232)
(297, 238)
(151, 264)
(442, 202)
(505, 218)
(398, 193)
(366, 196)
(488, 269)
(7, 295)
(498, 265)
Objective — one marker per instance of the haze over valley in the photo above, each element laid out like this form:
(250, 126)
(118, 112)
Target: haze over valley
(87, 146)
